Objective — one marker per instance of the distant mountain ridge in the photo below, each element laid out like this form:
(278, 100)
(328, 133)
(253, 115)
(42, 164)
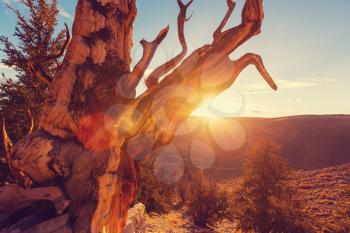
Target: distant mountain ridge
(308, 142)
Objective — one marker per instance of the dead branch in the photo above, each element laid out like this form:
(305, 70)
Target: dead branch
(149, 49)
(206, 72)
(39, 72)
(154, 77)
(252, 17)
(253, 59)
(35, 65)
(231, 6)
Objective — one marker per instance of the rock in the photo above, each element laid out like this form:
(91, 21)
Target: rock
(14, 198)
(58, 224)
(37, 210)
(136, 222)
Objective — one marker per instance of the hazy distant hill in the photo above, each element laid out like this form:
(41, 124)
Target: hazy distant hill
(309, 142)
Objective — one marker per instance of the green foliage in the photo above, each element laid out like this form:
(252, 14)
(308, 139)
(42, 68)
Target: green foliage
(34, 37)
(265, 201)
(206, 202)
(155, 195)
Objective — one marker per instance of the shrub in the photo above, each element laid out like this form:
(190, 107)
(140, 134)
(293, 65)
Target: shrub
(182, 190)
(151, 192)
(206, 202)
(265, 201)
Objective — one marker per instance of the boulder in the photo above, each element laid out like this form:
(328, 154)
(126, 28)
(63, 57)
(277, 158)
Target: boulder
(136, 222)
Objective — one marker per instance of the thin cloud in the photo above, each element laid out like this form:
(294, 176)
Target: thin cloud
(295, 100)
(6, 2)
(62, 12)
(9, 2)
(262, 87)
(5, 67)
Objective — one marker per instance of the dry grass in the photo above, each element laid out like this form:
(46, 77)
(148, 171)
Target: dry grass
(325, 192)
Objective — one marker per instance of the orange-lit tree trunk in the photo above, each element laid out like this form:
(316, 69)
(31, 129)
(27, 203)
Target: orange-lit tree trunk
(93, 127)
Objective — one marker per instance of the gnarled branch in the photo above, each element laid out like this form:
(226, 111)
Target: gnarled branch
(39, 72)
(253, 59)
(34, 65)
(218, 32)
(171, 64)
(205, 73)
(231, 39)
(149, 49)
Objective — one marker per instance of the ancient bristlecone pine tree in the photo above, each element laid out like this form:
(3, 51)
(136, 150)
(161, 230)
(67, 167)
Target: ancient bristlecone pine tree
(94, 129)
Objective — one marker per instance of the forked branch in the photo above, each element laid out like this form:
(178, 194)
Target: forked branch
(154, 77)
(253, 59)
(218, 32)
(149, 49)
(37, 70)
(35, 65)
(231, 39)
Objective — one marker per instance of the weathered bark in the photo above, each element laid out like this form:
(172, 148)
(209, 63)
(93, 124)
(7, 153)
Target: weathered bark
(92, 116)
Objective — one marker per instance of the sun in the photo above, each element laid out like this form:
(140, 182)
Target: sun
(230, 103)
(203, 111)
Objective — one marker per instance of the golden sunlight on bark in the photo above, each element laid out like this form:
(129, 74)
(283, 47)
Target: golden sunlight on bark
(92, 115)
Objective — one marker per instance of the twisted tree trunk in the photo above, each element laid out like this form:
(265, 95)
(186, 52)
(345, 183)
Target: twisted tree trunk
(93, 129)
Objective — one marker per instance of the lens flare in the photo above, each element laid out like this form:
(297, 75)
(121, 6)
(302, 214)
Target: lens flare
(169, 166)
(202, 155)
(230, 135)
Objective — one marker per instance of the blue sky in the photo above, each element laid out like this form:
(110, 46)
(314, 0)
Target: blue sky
(305, 45)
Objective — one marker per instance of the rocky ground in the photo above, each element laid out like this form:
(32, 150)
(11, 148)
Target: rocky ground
(325, 191)
(180, 222)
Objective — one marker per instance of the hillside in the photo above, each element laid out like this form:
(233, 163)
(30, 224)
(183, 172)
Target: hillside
(308, 142)
(326, 192)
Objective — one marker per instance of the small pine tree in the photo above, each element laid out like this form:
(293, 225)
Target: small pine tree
(34, 38)
(206, 202)
(265, 201)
